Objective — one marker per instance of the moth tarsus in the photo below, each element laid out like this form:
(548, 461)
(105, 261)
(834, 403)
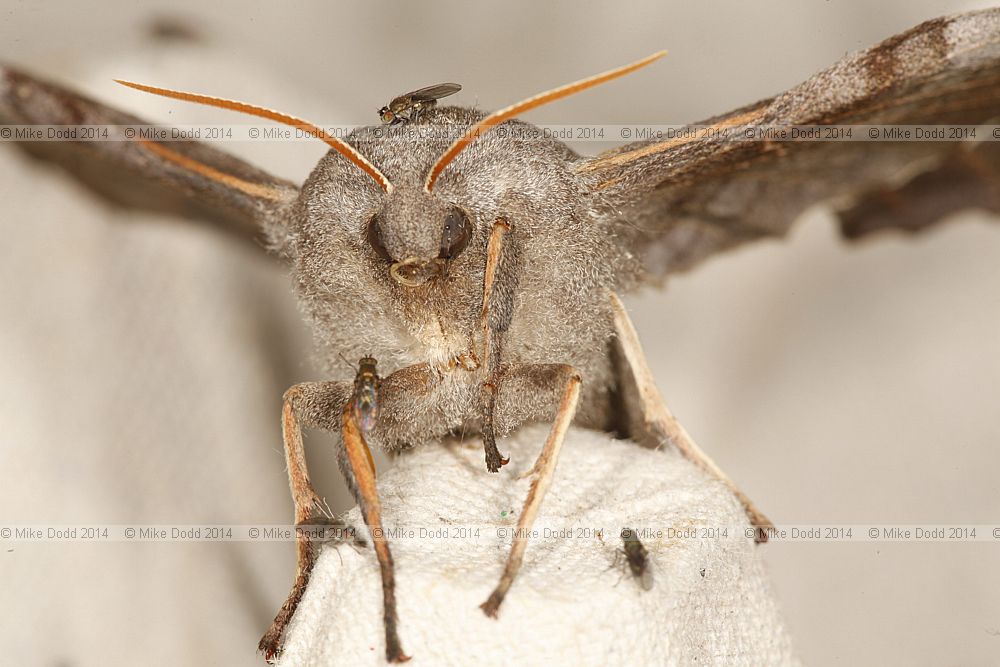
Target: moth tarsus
(358, 417)
(409, 106)
(357, 466)
(319, 529)
(637, 558)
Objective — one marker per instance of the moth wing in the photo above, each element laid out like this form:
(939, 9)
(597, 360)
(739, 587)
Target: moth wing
(676, 202)
(184, 177)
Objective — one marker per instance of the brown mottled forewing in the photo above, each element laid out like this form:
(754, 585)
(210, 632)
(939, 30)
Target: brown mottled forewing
(965, 179)
(132, 175)
(682, 201)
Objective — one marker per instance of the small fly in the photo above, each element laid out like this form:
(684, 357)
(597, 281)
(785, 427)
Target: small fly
(366, 386)
(638, 559)
(408, 106)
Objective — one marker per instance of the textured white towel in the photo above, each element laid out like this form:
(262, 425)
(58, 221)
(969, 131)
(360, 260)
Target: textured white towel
(573, 602)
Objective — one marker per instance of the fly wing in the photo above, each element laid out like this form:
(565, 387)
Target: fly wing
(435, 92)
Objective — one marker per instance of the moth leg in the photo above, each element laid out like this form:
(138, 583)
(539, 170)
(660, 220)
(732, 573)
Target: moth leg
(495, 320)
(355, 463)
(301, 404)
(326, 405)
(662, 424)
(544, 468)
(400, 395)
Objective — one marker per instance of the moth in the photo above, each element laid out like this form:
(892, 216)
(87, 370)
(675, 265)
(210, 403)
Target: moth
(483, 270)
(408, 106)
(637, 558)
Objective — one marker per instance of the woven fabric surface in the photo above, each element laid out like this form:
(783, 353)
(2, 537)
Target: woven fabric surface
(574, 601)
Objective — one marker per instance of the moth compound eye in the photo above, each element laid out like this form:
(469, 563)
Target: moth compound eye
(456, 233)
(374, 233)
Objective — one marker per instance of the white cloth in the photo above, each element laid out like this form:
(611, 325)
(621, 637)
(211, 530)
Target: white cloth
(574, 601)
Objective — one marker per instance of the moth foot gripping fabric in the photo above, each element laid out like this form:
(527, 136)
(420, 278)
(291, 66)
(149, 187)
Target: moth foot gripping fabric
(450, 525)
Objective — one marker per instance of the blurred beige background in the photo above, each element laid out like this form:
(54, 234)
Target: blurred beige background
(143, 359)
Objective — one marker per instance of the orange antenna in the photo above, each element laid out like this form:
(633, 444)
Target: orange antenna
(336, 144)
(538, 100)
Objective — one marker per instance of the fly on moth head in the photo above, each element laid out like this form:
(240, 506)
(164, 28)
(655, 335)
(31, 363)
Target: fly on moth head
(408, 106)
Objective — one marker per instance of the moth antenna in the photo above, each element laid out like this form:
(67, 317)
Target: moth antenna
(538, 100)
(336, 144)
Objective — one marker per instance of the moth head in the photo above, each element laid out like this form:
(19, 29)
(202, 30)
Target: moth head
(416, 235)
(408, 242)
(427, 240)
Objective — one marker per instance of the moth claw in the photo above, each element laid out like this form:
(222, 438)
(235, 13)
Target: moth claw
(492, 605)
(400, 657)
(494, 460)
(270, 648)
